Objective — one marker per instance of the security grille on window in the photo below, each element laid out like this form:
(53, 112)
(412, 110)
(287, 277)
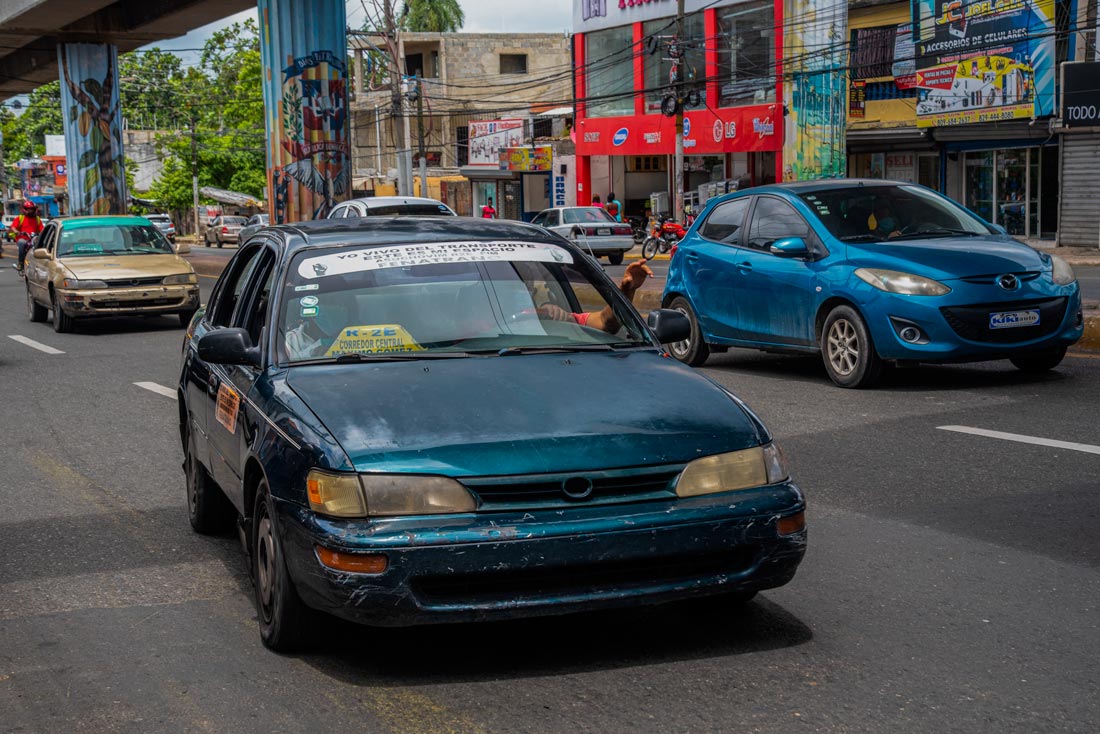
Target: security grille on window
(873, 52)
(513, 63)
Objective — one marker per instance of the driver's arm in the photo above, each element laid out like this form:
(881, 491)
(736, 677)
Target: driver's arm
(633, 279)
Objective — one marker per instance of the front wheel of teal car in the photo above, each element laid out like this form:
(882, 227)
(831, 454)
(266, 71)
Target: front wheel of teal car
(282, 614)
(1040, 361)
(693, 350)
(848, 351)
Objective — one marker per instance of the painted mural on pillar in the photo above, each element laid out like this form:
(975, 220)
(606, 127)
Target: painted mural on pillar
(815, 89)
(93, 136)
(306, 101)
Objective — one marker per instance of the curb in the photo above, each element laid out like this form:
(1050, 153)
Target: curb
(1090, 340)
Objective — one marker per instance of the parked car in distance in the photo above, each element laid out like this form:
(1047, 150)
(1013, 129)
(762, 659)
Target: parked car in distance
(381, 206)
(164, 223)
(222, 230)
(410, 420)
(867, 273)
(85, 267)
(591, 228)
(253, 225)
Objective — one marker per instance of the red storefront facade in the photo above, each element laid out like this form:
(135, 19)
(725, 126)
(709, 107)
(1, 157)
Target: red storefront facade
(731, 141)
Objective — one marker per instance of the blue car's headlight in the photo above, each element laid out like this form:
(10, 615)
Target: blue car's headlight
(1061, 272)
(907, 284)
(377, 495)
(745, 469)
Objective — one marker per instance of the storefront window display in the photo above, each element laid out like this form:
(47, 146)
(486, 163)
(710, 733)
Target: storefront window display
(658, 65)
(1005, 187)
(610, 59)
(746, 53)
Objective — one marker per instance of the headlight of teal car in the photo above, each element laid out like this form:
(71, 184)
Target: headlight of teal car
(1061, 272)
(745, 469)
(906, 284)
(385, 495)
(82, 285)
(182, 279)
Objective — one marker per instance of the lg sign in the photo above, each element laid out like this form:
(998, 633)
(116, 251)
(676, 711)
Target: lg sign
(727, 130)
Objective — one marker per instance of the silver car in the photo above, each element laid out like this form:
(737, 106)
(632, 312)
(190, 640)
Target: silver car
(253, 225)
(379, 206)
(163, 222)
(590, 228)
(222, 230)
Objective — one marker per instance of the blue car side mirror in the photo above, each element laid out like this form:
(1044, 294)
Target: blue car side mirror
(790, 247)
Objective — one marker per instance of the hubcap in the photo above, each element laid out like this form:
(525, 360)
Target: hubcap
(843, 347)
(192, 486)
(681, 348)
(265, 566)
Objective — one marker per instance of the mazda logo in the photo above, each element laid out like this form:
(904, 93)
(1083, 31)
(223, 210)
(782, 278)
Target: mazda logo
(577, 488)
(1008, 282)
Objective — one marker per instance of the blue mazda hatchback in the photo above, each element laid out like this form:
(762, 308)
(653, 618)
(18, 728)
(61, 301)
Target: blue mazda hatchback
(424, 420)
(868, 273)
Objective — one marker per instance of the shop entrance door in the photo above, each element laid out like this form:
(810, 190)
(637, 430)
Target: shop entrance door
(1006, 187)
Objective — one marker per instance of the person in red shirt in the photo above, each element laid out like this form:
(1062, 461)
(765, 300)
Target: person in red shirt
(26, 227)
(487, 211)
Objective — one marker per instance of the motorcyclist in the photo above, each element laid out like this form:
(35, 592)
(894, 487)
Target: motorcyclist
(26, 227)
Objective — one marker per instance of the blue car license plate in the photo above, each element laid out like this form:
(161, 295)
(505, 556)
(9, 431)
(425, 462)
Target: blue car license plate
(1013, 319)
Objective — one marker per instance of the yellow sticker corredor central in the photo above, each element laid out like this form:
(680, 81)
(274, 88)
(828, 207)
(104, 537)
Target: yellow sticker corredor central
(373, 339)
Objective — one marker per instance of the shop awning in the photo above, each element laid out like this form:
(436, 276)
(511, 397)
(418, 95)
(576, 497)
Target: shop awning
(235, 198)
(556, 112)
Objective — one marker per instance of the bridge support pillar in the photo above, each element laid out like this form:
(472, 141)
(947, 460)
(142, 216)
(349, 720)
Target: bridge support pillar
(93, 128)
(305, 77)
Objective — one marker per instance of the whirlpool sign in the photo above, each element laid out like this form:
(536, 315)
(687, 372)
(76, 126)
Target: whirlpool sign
(620, 136)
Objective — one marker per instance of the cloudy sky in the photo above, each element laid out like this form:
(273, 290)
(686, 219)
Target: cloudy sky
(482, 16)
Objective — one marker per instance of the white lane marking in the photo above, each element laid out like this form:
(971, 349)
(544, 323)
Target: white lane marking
(34, 345)
(1087, 448)
(158, 389)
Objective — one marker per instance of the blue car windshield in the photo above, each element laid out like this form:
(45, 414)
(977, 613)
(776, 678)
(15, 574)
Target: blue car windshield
(888, 212)
(425, 300)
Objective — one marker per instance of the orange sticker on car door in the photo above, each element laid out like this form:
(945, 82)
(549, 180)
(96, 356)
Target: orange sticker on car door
(229, 402)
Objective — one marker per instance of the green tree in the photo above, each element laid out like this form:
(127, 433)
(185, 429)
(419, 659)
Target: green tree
(151, 88)
(436, 16)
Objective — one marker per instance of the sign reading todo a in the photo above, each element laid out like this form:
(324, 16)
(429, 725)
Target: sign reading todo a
(1081, 94)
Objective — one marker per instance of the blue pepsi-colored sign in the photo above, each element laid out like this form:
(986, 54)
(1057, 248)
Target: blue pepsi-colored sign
(620, 136)
(687, 127)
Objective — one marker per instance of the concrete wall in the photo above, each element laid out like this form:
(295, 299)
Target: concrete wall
(140, 149)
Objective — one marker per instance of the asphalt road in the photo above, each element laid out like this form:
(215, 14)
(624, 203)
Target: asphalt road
(952, 582)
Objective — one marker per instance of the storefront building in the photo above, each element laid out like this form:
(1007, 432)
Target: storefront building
(745, 121)
(935, 102)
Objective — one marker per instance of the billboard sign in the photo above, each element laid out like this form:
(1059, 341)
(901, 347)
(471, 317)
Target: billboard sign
(983, 60)
(1080, 94)
(526, 159)
(489, 137)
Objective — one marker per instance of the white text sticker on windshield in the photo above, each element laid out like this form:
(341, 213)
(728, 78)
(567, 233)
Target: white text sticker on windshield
(437, 253)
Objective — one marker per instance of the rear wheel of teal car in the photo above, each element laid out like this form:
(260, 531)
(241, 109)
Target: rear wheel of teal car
(207, 508)
(693, 350)
(848, 351)
(281, 612)
(1040, 361)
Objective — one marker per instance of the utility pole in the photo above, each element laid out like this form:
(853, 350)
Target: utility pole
(195, 168)
(406, 152)
(420, 134)
(678, 163)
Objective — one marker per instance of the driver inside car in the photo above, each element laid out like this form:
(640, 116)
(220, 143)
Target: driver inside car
(886, 225)
(317, 329)
(604, 319)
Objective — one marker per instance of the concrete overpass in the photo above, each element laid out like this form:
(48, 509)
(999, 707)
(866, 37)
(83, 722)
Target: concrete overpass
(30, 30)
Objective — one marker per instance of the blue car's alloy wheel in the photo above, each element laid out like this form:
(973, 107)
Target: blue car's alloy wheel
(693, 350)
(847, 350)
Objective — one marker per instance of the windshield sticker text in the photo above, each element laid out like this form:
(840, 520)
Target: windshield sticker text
(400, 256)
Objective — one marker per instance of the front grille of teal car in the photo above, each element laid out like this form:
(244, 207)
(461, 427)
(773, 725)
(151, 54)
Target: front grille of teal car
(972, 322)
(610, 486)
(543, 582)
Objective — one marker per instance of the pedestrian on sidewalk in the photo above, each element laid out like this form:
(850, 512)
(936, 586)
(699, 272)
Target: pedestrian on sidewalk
(614, 207)
(487, 211)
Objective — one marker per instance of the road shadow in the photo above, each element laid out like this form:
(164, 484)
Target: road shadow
(916, 378)
(127, 325)
(576, 643)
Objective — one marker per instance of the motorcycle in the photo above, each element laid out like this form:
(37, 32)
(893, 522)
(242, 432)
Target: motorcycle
(664, 232)
(638, 229)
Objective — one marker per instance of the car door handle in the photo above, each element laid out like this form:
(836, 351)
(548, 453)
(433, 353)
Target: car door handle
(744, 267)
(692, 258)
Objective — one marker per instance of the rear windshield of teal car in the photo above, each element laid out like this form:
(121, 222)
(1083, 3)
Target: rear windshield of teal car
(458, 297)
(111, 239)
(882, 213)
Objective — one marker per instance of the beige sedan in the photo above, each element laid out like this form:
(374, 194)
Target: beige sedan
(107, 266)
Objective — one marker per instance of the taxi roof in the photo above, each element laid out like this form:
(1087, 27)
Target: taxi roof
(403, 229)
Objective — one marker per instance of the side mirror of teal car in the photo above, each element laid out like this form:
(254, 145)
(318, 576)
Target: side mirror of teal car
(669, 325)
(790, 247)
